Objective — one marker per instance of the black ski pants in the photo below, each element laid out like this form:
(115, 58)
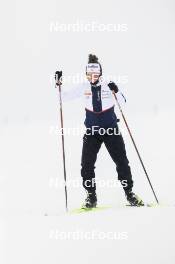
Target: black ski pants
(116, 148)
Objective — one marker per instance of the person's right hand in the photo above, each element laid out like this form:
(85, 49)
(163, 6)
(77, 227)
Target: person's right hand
(58, 75)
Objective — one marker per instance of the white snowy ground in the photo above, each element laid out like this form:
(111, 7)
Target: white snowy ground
(144, 235)
(30, 190)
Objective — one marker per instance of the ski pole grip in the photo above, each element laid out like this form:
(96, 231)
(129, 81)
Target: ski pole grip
(58, 75)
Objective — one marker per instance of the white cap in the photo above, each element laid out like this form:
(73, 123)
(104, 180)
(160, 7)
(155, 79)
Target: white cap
(93, 67)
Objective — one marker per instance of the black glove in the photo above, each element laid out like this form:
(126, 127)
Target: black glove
(58, 75)
(113, 87)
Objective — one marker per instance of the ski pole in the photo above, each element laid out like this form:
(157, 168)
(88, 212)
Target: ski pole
(58, 75)
(141, 161)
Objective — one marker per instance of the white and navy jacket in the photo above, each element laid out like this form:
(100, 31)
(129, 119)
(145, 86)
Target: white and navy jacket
(99, 103)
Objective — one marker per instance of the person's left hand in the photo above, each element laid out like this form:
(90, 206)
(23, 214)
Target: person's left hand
(113, 87)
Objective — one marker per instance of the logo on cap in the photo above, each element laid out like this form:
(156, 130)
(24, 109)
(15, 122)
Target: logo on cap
(93, 67)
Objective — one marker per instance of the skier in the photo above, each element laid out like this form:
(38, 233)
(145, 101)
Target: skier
(100, 117)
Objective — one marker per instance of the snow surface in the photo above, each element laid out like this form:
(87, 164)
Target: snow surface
(33, 207)
(149, 237)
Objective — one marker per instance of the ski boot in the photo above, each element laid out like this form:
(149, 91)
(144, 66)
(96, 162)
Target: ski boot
(90, 201)
(133, 199)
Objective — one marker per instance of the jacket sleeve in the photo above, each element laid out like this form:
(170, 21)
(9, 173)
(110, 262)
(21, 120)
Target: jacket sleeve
(71, 94)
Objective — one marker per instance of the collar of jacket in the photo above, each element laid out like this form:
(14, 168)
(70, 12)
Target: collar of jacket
(97, 83)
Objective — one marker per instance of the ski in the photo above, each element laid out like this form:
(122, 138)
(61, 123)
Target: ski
(145, 205)
(86, 210)
(101, 208)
